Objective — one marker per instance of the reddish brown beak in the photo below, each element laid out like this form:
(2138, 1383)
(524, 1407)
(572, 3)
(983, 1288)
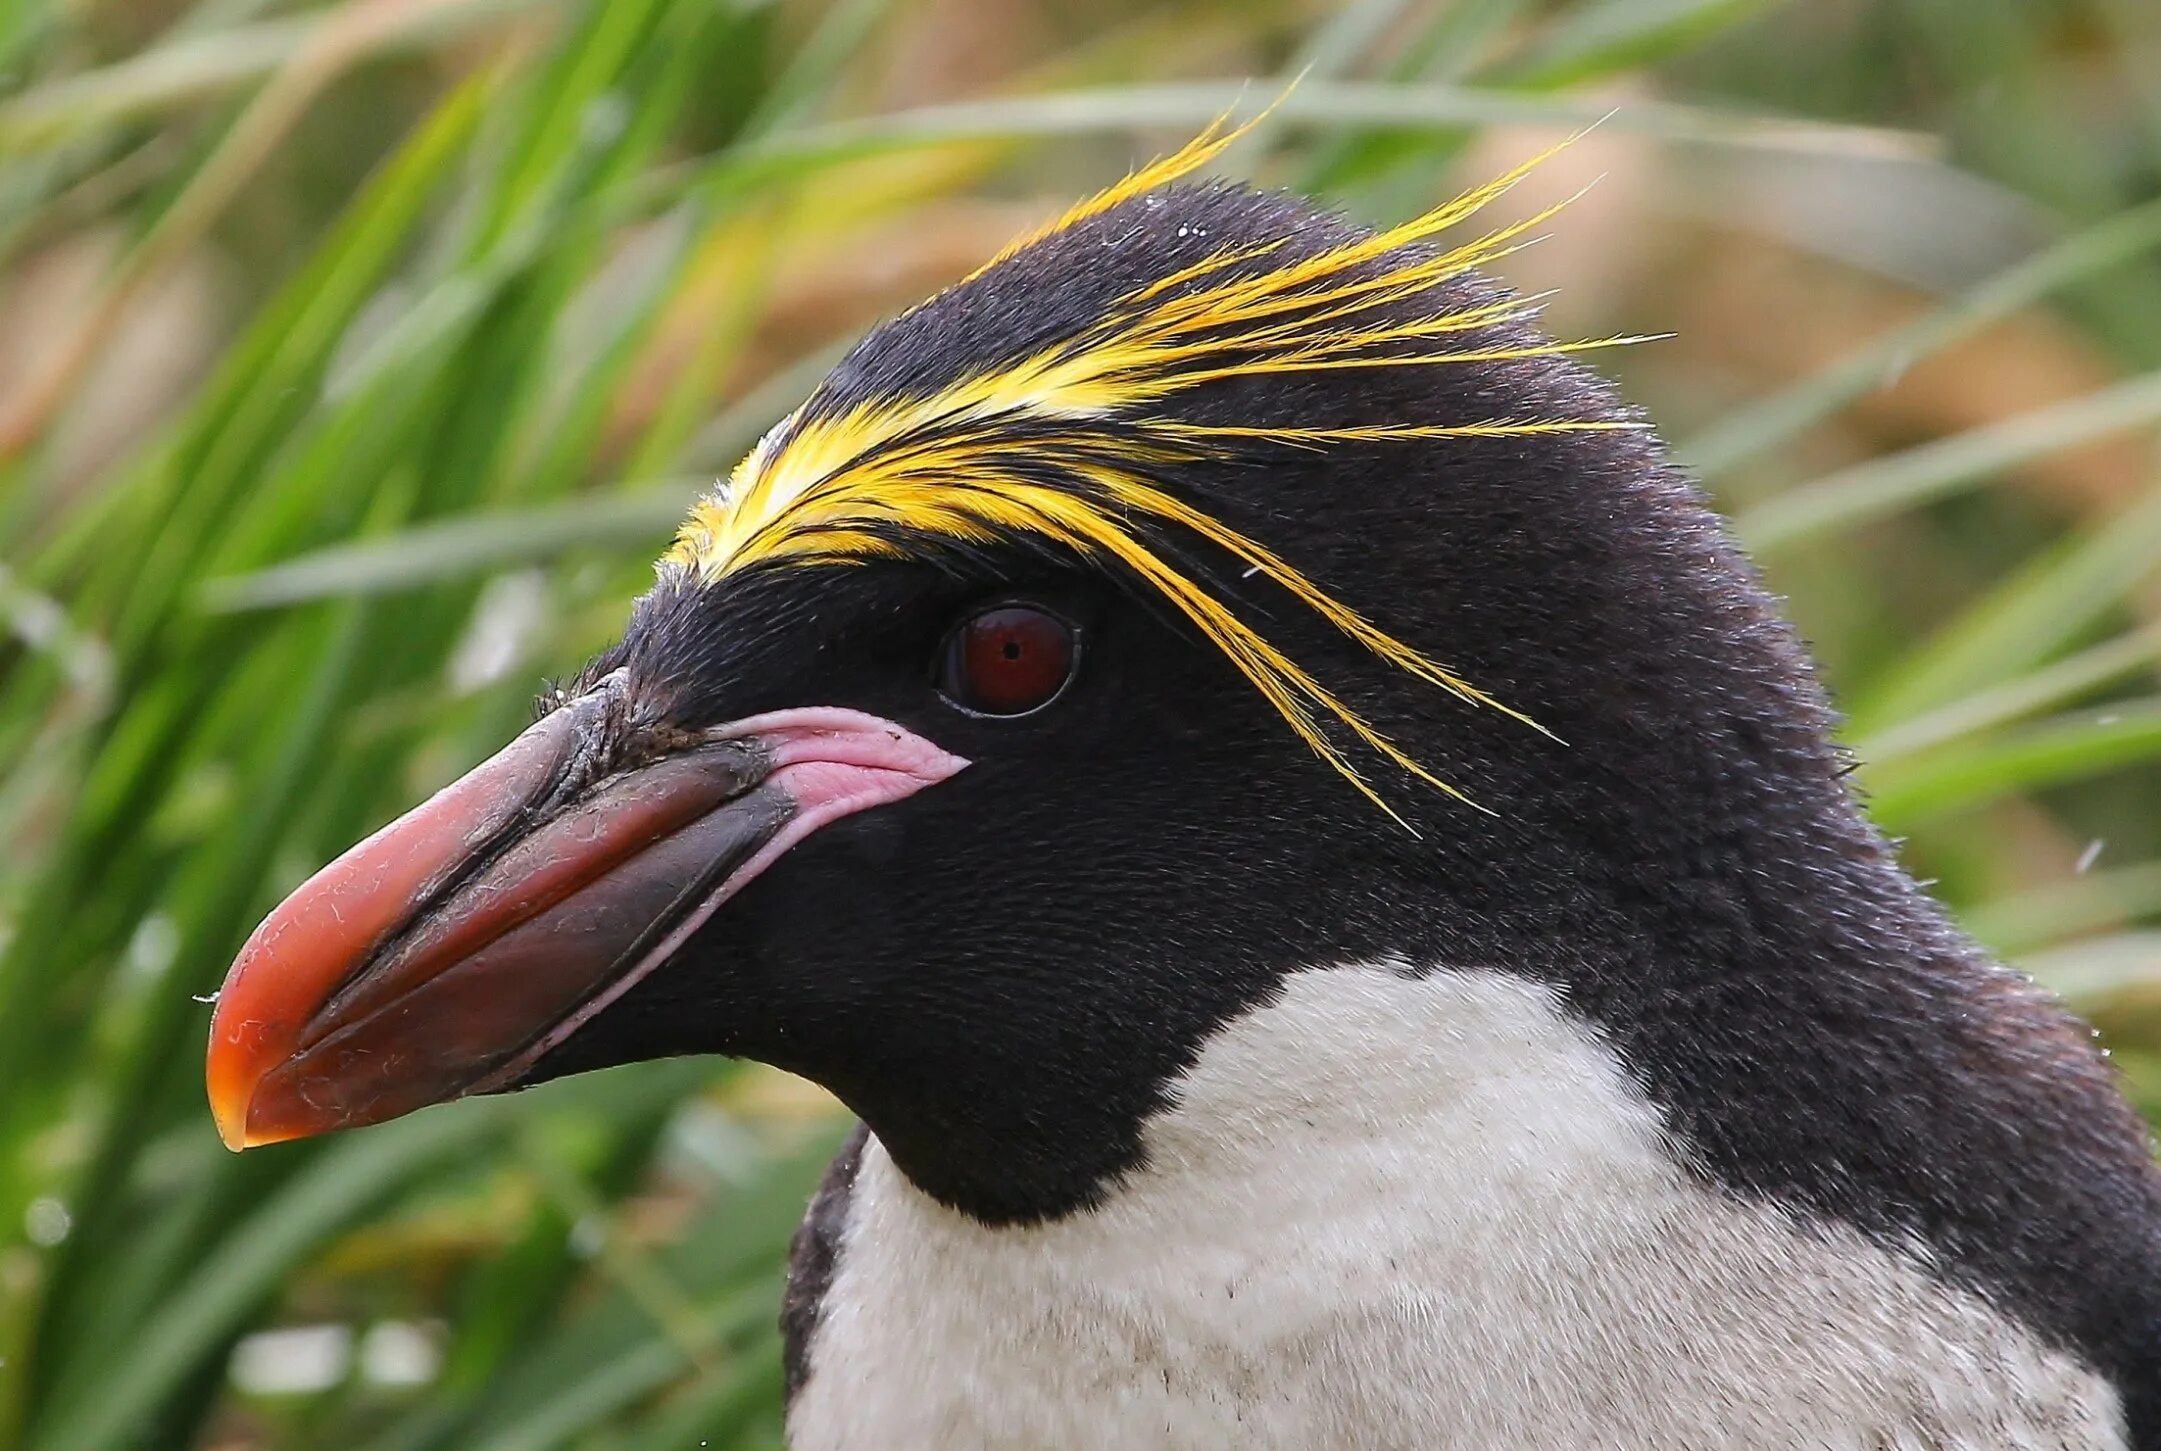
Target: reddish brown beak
(445, 953)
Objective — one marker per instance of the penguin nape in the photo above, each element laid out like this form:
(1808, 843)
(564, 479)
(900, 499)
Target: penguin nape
(1264, 1034)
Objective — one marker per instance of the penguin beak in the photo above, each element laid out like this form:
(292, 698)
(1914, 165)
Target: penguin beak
(448, 952)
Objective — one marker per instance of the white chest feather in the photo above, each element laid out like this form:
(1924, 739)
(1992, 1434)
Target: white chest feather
(1397, 1212)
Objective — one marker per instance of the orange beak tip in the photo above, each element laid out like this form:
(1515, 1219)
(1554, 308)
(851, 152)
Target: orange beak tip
(229, 1110)
(232, 1069)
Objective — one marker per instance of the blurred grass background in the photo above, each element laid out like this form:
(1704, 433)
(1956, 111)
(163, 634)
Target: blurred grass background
(356, 357)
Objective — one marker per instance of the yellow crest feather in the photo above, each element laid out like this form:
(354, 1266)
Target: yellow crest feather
(1216, 138)
(953, 465)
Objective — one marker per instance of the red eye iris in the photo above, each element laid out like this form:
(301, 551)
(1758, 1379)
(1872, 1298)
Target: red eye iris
(1007, 661)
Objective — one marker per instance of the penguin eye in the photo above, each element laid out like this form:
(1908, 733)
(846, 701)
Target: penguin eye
(1006, 661)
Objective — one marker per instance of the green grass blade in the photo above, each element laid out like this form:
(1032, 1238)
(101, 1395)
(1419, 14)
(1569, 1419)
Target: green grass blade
(2015, 699)
(1759, 427)
(2091, 971)
(2023, 621)
(638, 521)
(781, 159)
(625, 1377)
(2071, 908)
(1334, 46)
(339, 1187)
(201, 64)
(1934, 471)
(1600, 38)
(468, 544)
(2067, 749)
(817, 67)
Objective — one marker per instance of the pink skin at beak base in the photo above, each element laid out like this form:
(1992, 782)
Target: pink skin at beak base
(834, 763)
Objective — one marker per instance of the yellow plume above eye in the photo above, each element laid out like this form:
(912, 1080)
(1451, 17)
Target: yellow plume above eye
(1065, 445)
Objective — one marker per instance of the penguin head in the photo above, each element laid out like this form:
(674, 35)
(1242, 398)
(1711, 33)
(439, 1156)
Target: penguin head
(1208, 589)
